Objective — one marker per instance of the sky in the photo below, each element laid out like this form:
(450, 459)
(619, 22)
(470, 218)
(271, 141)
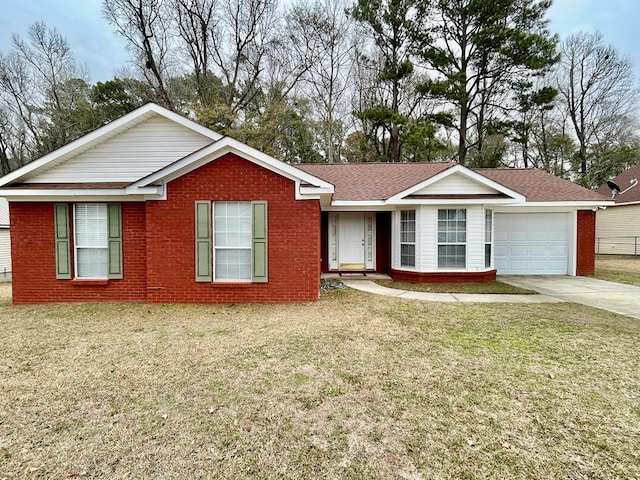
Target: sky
(95, 44)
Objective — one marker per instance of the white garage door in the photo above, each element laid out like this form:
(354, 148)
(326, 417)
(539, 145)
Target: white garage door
(531, 243)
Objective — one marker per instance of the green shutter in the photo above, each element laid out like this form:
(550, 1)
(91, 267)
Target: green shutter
(63, 241)
(204, 270)
(114, 215)
(260, 260)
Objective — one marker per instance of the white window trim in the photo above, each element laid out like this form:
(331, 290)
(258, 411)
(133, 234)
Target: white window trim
(415, 238)
(216, 248)
(77, 247)
(439, 243)
(488, 212)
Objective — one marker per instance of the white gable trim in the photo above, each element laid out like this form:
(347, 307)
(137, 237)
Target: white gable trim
(104, 133)
(514, 196)
(306, 184)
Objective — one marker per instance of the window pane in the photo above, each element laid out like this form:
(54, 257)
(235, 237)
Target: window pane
(451, 256)
(232, 224)
(92, 262)
(488, 224)
(487, 255)
(408, 255)
(233, 264)
(91, 225)
(233, 238)
(408, 238)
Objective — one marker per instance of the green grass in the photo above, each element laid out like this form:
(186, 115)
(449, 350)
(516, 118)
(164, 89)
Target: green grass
(472, 288)
(355, 386)
(618, 268)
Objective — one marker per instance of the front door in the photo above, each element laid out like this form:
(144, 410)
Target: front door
(352, 241)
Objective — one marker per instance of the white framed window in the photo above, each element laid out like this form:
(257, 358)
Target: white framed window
(488, 237)
(408, 238)
(232, 241)
(91, 230)
(452, 238)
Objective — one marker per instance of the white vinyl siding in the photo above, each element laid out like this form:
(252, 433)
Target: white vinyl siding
(456, 184)
(232, 227)
(427, 240)
(91, 240)
(5, 239)
(129, 156)
(4, 213)
(5, 251)
(618, 230)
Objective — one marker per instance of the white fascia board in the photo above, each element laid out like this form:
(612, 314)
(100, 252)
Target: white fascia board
(515, 196)
(351, 208)
(624, 204)
(456, 201)
(358, 204)
(575, 204)
(228, 145)
(120, 194)
(120, 123)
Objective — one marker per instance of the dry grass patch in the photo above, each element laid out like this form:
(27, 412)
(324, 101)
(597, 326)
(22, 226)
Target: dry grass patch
(354, 386)
(618, 268)
(471, 287)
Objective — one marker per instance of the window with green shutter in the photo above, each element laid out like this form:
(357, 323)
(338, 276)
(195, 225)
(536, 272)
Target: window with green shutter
(97, 241)
(231, 241)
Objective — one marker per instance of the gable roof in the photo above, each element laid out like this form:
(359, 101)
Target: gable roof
(102, 135)
(133, 174)
(373, 181)
(623, 180)
(4, 213)
(382, 181)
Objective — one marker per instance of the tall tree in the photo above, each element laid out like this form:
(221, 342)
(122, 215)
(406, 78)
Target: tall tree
(146, 25)
(477, 48)
(600, 95)
(393, 26)
(326, 31)
(40, 84)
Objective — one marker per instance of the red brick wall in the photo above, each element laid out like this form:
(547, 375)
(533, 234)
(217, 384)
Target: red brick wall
(34, 268)
(158, 244)
(293, 237)
(585, 255)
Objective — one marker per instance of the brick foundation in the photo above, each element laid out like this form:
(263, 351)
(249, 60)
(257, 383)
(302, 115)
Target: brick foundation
(442, 277)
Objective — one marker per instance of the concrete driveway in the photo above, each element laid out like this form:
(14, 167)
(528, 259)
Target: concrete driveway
(614, 297)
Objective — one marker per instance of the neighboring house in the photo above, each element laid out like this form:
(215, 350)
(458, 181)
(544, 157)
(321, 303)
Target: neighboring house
(154, 207)
(5, 241)
(618, 226)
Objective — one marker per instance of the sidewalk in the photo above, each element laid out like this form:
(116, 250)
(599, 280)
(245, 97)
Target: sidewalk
(372, 287)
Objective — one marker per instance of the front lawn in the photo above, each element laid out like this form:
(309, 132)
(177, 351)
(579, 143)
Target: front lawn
(355, 386)
(618, 268)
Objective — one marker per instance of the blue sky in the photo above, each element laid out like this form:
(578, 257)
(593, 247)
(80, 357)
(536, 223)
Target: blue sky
(94, 43)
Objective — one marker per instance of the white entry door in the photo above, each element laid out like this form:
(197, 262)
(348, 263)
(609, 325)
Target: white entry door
(351, 242)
